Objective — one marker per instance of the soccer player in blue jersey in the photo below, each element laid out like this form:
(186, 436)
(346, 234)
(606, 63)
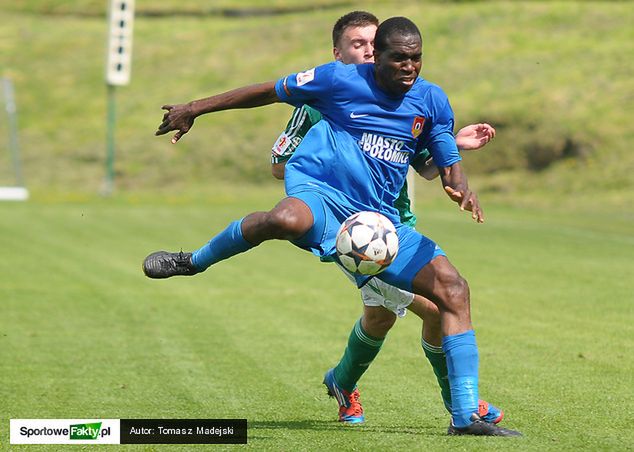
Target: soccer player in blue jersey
(377, 120)
(353, 43)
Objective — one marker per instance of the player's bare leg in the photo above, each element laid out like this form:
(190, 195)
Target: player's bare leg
(430, 315)
(440, 282)
(377, 321)
(288, 220)
(431, 342)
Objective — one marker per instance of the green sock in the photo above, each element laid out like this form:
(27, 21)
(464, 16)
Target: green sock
(359, 354)
(438, 361)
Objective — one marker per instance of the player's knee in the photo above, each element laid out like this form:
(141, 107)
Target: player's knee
(384, 325)
(287, 223)
(378, 325)
(456, 293)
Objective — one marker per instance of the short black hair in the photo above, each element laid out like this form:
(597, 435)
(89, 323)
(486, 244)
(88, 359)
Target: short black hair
(391, 26)
(352, 19)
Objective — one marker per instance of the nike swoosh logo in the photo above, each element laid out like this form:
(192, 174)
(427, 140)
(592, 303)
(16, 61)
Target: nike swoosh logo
(353, 116)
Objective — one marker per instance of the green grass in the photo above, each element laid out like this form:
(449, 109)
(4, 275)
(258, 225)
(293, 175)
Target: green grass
(83, 334)
(555, 78)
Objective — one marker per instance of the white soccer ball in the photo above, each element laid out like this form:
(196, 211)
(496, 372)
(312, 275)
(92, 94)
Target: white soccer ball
(367, 243)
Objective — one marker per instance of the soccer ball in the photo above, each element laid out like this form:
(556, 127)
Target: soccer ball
(366, 243)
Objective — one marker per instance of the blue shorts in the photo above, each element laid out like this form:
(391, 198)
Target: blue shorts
(415, 250)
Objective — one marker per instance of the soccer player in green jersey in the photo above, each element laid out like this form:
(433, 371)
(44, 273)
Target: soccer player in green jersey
(353, 43)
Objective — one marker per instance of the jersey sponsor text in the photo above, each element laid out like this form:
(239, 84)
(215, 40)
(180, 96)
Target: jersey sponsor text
(384, 148)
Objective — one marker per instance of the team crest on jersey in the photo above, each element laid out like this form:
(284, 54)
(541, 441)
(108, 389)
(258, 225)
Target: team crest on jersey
(305, 77)
(417, 126)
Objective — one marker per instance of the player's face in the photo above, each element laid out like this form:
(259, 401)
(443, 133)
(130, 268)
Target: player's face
(398, 66)
(356, 45)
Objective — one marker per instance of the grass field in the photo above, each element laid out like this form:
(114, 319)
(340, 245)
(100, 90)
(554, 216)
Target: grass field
(83, 333)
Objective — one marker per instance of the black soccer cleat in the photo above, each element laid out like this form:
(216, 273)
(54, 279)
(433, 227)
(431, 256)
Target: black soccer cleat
(163, 264)
(481, 428)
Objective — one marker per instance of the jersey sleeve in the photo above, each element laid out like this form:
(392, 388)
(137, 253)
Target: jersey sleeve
(301, 121)
(440, 141)
(309, 87)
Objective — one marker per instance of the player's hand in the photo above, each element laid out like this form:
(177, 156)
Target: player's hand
(474, 136)
(467, 201)
(177, 117)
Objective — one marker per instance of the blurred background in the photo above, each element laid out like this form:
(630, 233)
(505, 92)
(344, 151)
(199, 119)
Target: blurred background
(556, 79)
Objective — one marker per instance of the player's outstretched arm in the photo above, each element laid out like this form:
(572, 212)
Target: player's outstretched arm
(456, 186)
(469, 138)
(474, 136)
(181, 117)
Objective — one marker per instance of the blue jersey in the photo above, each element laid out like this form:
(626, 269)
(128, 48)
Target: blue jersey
(359, 154)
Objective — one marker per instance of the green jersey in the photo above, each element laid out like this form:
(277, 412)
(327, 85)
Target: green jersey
(403, 205)
(300, 123)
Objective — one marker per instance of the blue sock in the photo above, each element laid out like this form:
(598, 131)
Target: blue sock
(226, 244)
(462, 363)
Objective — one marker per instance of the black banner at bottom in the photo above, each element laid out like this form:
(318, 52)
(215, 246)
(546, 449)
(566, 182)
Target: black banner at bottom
(183, 431)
